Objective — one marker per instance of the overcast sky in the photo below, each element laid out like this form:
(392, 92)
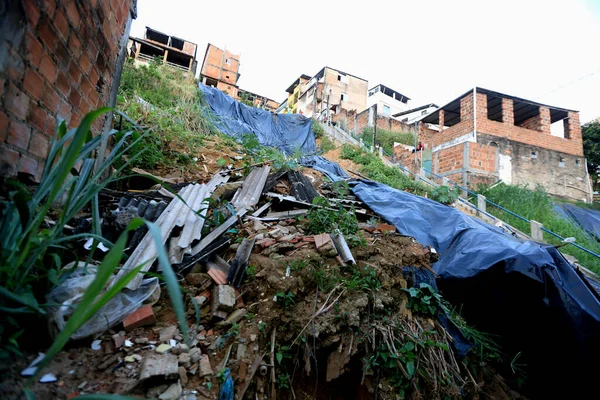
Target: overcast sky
(428, 50)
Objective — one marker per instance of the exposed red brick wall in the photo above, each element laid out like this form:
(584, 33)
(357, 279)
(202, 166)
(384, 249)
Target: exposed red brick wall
(482, 157)
(62, 60)
(215, 65)
(450, 159)
(540, 138)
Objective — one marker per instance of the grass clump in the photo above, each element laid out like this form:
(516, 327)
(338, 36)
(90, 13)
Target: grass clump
(536, 204)
(322, 218)
(386, 138)
(167, 104)
(317, 129)
(326, 144)
(374, 168)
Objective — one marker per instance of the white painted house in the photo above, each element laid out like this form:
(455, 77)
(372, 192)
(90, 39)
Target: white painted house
(389, 101)
(414, 114)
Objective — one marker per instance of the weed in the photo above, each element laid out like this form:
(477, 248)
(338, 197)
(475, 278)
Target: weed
(262, 326)
(424, 299)
(283, 353)
(326, 144)
(298, 265)
(234, 330)
(363, 279)
(286, 299)
(386, 138)
(250, 273)
(250, 316)
(444, 194)
(317, 129)
(221, 162)
(325, 279)
(283, 381)
(373, 167)
(324, 219)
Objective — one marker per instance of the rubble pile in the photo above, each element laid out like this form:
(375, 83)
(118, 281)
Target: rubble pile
(294, 289)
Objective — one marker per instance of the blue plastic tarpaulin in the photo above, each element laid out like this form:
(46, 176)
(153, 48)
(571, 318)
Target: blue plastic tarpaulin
(287, 132)
(587, 218)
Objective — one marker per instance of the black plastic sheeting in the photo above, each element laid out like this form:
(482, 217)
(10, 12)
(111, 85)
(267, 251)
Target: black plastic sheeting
(286, 132)
(587, 218)
(522, 291)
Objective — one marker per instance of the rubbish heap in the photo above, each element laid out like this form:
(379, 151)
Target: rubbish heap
(294, 289)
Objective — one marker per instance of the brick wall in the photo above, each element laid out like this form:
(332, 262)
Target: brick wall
(57, 59)
(482, 157)
(215, 65)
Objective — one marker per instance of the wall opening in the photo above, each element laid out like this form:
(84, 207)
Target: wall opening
(557, 128)
(534, 154)
(177, 43)
(494, 108)
(578, 163)
(493, 144)
(561, 162)
(344, 97)
(526, 115)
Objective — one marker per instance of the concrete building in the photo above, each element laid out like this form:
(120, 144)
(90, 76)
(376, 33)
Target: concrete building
(57, 60)
(220, 69)
(415, 114)
(294, 91)
(388, 101)
(329, 91)
(485, 136)
(176, 52)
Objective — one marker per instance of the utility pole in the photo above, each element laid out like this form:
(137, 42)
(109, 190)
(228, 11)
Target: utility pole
(327, 111)
(416, 153)
(315, 98)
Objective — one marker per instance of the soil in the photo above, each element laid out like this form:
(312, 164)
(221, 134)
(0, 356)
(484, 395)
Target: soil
(348, 165)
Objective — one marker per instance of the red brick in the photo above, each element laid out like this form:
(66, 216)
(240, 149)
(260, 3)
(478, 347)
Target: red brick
(61, 24)
(62, 55)
(48, 68)
(85, 87)
(63, 84)
(74, 97)
(141, 317)
(19, 135)
(47, 33)
(37, 117)
(64, 111)
(73, 13)
(17, 102)
(3, 125)
(50, 125)
(39, 145)
(75, 45)
(32, 12)
(34, 50)
(74, 73)
(50, 6)
(33, 84)
(28, 166)
(8, 161)
(15, 68)
(85, 63)
(76, 118)
(51, 98)
(92, 49)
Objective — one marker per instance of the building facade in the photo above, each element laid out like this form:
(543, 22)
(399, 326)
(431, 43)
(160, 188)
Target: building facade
(220, 69)
(415, 114)
(294, 91)
(485, 136)
(329, 91)
(388, 101)
(58, 61)
(173, 51)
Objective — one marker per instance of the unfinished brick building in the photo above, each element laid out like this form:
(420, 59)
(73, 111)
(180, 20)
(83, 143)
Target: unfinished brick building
(58, 59)
(220, 69)
(173, 51)
(485, 136)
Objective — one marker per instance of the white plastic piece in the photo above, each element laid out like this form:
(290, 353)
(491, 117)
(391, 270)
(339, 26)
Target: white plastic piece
(31, 369)
(90, 241)
(128, 343)
(96, 345)
(48, 378)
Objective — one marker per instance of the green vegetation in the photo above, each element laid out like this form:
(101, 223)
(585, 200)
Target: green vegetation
(36, 244)
(373, 168)
(317, 129)
(537, 205)
(322, 218)
(386, 139)
(326, 144)
(444, 194)
(287, 299)
(591, 147)
(167, 105)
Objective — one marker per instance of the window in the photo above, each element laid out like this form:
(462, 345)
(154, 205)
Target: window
(424, 112)
(342, 78)
(227, 61)
(577, 163)
(534, 154)
(561, 162)
(344, 97)
(386, 110)
(493, 144)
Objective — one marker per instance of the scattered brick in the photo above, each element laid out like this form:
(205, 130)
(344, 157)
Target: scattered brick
(141, 317)
(308, 239)
(218, 276)
(386, 228)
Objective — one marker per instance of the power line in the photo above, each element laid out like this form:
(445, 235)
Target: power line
(567, 84)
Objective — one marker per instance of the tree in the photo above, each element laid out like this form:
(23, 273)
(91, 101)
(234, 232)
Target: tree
(591, 147)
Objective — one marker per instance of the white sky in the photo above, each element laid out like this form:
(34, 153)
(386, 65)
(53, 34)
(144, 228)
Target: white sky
(428, 50)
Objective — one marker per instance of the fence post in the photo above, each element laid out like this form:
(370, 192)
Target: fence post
(481, 202)
(536, 231)
(362, 145)
(380, 152)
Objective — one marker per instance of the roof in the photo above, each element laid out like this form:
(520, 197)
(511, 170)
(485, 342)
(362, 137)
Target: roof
(412, 110)
(319, 74)
(165, 34)
(388, 91)
(159, 46)
(296, 82)
(522, 109)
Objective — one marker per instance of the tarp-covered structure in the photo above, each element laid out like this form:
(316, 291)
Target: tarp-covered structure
(587, 218)
(526, 293)
(287, 132)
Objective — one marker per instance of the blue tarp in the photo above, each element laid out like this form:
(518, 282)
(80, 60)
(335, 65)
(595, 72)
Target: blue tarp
(587, 218)
(524, 292)
(286, 132)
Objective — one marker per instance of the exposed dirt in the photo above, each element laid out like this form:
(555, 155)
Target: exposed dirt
(348, 165)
